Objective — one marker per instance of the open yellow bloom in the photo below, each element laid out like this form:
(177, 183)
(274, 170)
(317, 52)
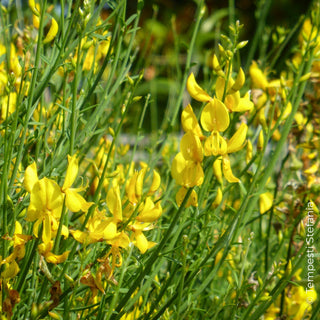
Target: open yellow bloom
(217, 145)
(46, 202)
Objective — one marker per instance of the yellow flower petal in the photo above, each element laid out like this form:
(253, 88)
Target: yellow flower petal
(72, 172)
(186, 173)
(227, 172)
(110, 231)
(215, 145)
(259, 79)
(265, 202)
(52, 31)
(195, 91)
(114, 202)
(237, 141)
(156, 181)
(190, 123)
(131, 188)
(81, 236)
(215, 116)
(217, 170)
(150, 211)
(217, 199)
(55, 258)
(239, 82)
(46, 232)
(30, 177)
(75, 202)
(141, 241)
(191, 147)
(244, 104)
(140, 181)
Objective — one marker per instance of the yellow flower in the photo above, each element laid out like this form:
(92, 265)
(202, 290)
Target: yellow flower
(186, 167)
(45, 250)
(100, 227)
(233, 100)
(74, 201)
(215, 116)
(46, 202)
(216, 145)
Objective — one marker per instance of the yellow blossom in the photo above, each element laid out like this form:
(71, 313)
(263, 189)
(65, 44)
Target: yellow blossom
(186, 167)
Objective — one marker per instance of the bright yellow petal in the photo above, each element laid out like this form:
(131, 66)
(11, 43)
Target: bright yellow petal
(217, 199)
(156, 181)
(140, 181)
(244, 104)
(75, 202)
(237, 141)
(195, 91)
(52, 31)
(186, 173)
(217, 170)
(141, 241)
(265, 202)
(215, 116)
(114, 202)
(239, 82)
(55, 259)
(227, 172)
(81, 236)
(190, 123)
(191, 147)
(72, 172)
(46, 232)
(122, 240)
(30, 177)
(215, 145)
(259, 79)
(150, 211)
(131, 188)
(110, 231)
(177, 168)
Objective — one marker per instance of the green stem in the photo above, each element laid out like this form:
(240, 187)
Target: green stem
(199, 16)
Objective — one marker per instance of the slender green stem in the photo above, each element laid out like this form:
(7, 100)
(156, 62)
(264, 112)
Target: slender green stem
(198, 18)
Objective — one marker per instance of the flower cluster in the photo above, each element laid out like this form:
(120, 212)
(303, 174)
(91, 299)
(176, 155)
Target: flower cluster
(187, 167)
